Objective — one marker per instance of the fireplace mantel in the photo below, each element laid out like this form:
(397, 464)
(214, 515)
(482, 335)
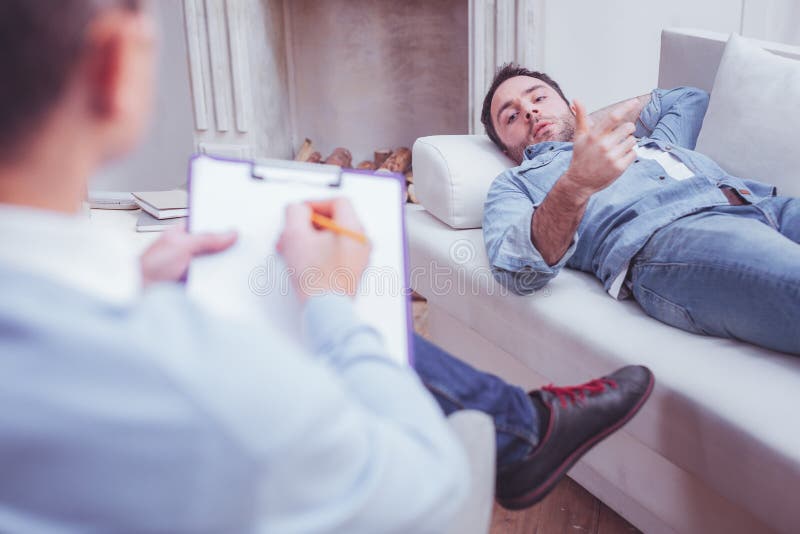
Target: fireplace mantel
(356, 73)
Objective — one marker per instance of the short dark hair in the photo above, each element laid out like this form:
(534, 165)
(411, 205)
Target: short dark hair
(510, 70)
(41, 42)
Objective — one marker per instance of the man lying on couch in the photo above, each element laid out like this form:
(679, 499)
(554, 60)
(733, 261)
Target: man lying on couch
(622, 194)
(123, 407)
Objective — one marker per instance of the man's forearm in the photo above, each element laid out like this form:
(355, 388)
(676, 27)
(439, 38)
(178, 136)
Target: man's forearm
(555, 221)
(602, 150)
(631, 115)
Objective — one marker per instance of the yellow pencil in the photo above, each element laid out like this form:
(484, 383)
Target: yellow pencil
(330, 224)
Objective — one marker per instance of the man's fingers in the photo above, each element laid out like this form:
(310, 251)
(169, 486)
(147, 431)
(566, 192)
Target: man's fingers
(323, 207)
(298, 230)
(622, 149)
(339, 209)
(623, 131)
(200, 244)
(611, 120)
(581, 122)
(629, 143)
(298, 216)
(332, 207)
(626, 160)
(621, 134)
(346, 215)
(175, 229)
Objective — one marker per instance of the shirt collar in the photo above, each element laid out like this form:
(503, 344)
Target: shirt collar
(540, 148)
(69, 250)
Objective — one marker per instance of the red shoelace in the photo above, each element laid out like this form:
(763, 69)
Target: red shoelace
(576, 393)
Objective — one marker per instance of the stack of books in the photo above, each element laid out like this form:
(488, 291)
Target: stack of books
(161, 209)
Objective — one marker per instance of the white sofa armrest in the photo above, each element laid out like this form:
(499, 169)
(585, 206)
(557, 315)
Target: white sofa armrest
(452, 176)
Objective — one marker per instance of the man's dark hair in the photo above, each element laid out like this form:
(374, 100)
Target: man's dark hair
(41, 42)
(510, 70)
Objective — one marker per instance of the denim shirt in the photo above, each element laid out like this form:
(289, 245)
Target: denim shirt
(620, 219)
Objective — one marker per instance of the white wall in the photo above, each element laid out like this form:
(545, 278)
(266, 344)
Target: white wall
(603, 52)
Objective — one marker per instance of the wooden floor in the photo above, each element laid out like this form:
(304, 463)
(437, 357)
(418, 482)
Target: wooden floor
(568, 509)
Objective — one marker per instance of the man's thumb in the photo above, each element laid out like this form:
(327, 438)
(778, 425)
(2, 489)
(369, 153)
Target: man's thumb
(581, 123)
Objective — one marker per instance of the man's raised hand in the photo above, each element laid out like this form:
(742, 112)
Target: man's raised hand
(602, 150)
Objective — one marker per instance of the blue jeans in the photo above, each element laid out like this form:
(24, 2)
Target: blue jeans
(458, 386)
(730, 271)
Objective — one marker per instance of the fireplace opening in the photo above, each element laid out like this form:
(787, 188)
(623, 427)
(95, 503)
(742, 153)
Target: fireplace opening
(373, 74)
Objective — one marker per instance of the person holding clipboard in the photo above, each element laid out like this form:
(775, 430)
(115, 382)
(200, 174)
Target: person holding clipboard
(126, 408)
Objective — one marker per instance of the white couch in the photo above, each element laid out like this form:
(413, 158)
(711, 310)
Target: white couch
(717, 448)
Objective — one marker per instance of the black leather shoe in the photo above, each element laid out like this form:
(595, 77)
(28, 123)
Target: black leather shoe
(579, 418)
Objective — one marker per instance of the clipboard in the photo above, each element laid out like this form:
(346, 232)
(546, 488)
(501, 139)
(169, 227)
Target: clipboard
(249, 283)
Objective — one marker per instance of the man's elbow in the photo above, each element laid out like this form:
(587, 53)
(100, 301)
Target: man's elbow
(701, 95)
(523, 282)
(695, 95)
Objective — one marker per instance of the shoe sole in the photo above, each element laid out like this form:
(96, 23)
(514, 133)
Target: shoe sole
(529, 499)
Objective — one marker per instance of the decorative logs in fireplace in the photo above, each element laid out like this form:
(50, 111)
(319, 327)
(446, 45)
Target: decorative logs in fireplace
(384, 159)
(341, 157)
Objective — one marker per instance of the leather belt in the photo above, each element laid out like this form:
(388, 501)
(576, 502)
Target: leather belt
(733, 197)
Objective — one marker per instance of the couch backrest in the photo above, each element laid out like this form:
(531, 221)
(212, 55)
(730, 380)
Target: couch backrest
(691, 57)
(751, 126)
(453, 172)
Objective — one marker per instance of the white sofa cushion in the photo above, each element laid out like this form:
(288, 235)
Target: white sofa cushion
(453, 174)
(752, 120)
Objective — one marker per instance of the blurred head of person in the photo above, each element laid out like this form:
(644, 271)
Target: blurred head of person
(77, 91)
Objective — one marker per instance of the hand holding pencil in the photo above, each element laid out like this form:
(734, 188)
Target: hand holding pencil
(325, 222)
(324, 245)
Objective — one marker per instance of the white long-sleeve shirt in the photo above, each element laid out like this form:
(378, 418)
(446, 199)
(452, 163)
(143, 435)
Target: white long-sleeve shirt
(122, 411)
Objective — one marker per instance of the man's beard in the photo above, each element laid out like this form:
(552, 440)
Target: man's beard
(565, 133)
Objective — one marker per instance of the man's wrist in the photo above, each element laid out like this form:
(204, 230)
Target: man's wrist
(327, 315)
(342, 286)
(574, 187)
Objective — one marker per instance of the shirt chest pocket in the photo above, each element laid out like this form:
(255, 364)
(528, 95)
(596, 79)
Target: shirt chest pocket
(544, 171)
